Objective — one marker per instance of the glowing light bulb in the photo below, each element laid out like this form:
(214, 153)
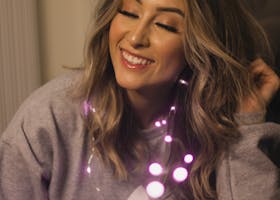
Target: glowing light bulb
(180, 174)
(183, 82)
(157, 124)
(188, 158)
(88, 170)
(168, 138)
(155, 189)
(93, 109)
(155, 169)
(85, 108)
(164, 122)
(173, 108)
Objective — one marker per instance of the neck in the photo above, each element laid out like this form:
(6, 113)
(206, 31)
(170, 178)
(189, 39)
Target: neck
(149, 105)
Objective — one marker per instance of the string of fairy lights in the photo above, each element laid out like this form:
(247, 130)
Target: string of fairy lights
(155, 188)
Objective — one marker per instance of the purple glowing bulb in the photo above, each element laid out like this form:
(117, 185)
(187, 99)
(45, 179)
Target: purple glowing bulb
(180, 174)
(155, 189)
(88, 170)
(85, 108)
(157, 124)
(173, 108)
(188, 158)
(168, 138)
(183, 82)
(164, 122)
(155, 169)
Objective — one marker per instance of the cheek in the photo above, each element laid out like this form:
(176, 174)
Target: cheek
(118, 29)
(171, 56)
(112, 33)
(115, 31)
(169, 47)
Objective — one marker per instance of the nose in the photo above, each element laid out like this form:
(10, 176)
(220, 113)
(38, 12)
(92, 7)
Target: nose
(138, 36)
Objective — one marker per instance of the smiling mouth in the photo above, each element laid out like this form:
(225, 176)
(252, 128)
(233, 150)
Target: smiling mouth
(133, 61)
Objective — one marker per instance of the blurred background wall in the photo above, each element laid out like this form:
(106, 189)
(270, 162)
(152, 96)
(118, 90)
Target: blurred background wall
(62, 28)
(37, 38)
(20, 71)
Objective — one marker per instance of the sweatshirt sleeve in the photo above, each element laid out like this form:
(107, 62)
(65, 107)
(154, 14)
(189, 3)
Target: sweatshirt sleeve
(20, 174)
(41, 151)
(23, 158)
(245, 172)
(27, 146)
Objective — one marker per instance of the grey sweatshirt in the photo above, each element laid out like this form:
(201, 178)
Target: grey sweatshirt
(44, 153)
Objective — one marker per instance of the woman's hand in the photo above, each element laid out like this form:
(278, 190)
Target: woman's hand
(267, 84)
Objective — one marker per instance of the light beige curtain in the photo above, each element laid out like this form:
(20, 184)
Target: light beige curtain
(19, 55)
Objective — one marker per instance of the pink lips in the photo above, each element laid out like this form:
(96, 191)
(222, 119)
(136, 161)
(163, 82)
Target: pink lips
(133, 61)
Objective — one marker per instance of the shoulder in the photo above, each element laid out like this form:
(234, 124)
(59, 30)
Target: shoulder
(49, 110)
(56, 89)
(46, 132)
(251, 160)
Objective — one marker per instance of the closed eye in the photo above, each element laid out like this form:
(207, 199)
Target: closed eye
(166, 27)
(128, 14)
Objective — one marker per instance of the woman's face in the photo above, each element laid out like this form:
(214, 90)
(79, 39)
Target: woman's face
(146, 45)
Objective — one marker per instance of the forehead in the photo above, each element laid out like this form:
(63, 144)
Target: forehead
(160, 3)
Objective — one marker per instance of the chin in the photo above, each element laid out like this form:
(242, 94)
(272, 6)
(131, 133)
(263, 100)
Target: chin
(128, 85)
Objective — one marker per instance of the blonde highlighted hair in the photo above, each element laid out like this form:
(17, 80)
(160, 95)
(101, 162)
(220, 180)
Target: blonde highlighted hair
(221, 38)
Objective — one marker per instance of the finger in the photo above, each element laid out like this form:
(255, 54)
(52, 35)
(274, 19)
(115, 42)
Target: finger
(265, 79)
(257, 61)
(259, 65)
(260, 70)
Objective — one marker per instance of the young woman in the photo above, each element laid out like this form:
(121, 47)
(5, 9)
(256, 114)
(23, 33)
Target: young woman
(169, 105)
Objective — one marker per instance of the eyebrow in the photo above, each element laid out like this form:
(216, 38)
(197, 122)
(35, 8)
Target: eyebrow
(171, 9)
(167, 9)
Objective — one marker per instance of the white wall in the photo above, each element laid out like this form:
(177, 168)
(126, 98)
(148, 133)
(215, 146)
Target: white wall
(37, 38)
(19, 55)
(62, 27)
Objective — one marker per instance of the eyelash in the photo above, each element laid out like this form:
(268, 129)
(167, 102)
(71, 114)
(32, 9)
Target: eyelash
(134, 16)
(166, 27)
(128, 14)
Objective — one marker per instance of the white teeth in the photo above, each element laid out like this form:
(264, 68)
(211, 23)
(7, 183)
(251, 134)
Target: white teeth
(135, 60)
(143, 62)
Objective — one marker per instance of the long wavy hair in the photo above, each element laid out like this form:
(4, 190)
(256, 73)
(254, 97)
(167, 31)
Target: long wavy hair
(221, 38)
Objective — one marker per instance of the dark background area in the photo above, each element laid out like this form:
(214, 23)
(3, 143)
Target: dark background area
(267, 13)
